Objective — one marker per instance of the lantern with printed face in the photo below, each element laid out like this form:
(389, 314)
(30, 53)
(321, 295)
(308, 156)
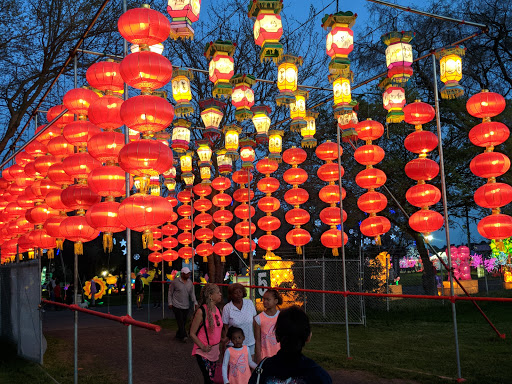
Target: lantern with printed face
(298, 111)
(180, 135)
(221, 68)
(211, 115)
(231, 137)
(268, 27)
(450, 63)
(183, 13)
(261, 122)
(393, 99)
(181, 91)
(340, 41)
(287, 79)
(275, 144)
(399, 55)
(243, 96)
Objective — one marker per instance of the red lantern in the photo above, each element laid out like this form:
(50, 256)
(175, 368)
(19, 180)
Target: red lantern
(332, 239)
(104, 217)
(145, 157)
(423, 195)
(421, 142)
(330, 172)
(78, 100)
(223, 249)
(146, 70)
(79, 165)
(57, 174)
(35, 148)
(105, 76)
(419, 113)
(79, 197)
(144, 26)
(369, 154)
(426, 221)
(79, 132)
(76, 229)
(60, 147)
(106, 112)
(489, 134)
(374, 226)
(495, 226)
(105, 146)
(53, 200)
(62, 121)
(147, 113)
(372, 202)
(493, 195)
(422, 169)
(485, 104)
(490, 164)
(296, 196)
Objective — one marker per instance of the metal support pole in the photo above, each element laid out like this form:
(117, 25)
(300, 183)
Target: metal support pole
(387, 283)
(345, 298)
(18, 295)
(192, 232)
(304, 275)
(251, 277)
(445, 211)
(39, 256)
(149, 297)
(128, 239)
(162, 302)
(323, 285)
(75, 270)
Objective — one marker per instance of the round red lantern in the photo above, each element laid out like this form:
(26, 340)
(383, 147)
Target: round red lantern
(490, 164)
(106, 112)
(418, 113)
(62, 121)
(372, 202)
(146, 70)
(105, 76)
(493, 195)
(78, 100)
(76, 229)
(485, 104)
(423, 195)
(145, 157)
(144, 26)
(422, 169)
(60, 147)
(104, 217)
(489, 134)
(496, 226)
(147, 113)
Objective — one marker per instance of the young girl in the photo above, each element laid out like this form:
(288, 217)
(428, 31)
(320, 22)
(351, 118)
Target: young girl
(264, 326)
(237, 364)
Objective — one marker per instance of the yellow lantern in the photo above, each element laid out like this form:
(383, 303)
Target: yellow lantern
(261, 122)
(298, 111)
(224, 163)
(287, 79)
(180, 135)
(186, 162)
(170, 184)
(450, 63)
(181, 91)
(308, 132)
(204, 152)
(275, 144)
(222, 65)
(154, 185)
(342, 94)
(211, 115)
(206, 173)
(188, 179)
(268, 28)
(231, 133)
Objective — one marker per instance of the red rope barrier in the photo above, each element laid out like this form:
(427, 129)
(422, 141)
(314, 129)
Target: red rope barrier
(350, 293)
(126, 320)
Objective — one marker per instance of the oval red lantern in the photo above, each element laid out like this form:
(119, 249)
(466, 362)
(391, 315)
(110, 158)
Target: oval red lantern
(295, 176)
(267, 166)
(23, 158)
(242, 177)
(104, 217)
(105, 76)
(170, 256)
(369, 130)
(79, 132)
(332, 238)
(269, 223)
(298, 216)
(375, 226)
(268, 184)
(106, 112)
(426, 221)
(145, 157)
(421, 142)
(76, 229)
(144, 26)
(489, 134)
(52, 225)
(369, 154)
(142, 212)
(294, 156)
(372, 202)
(79, 196)
(171, 242)
(332, 216)
(298, 237)
(185, 210)
(330, 194)
(242, 211)
(42, 240)
(185, 196)
(108, 180)
(421, 169)
(53, 200)
(79, 165)
(146, 70)
(78, 100)
(268, 204)
(245, 246)
(296, 196)
(221, 183)
(485, 104)
(186, 252)
(243, 229)
(328, 151)
(204, 249)
(57, 174)
(185, 224)
(222, 200)
(43, 163)
(269, 242)
(47, 134)
(202, 190)
(35, 148)
(222, 216)
(418, 113)
(62, 121)
(423, 195)
(329, 172)
(105, 146)
(169, 230)
(493, 195)
(223, 249)
(60, 147)
(490, 164)
(223, 232)
(202, 205)
(203, 219)
(203, 234)
(147, 113)
(39, 214)
(155, 247)
(498, 227)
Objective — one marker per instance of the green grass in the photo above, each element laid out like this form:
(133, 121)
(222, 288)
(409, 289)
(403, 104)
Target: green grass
(415, 340)
(58, 364)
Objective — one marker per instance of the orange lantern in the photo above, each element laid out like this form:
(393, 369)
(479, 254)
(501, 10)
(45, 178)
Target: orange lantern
(268, 204)
(244, 211)
(296, 217)
(186, 224)
(203, 220)
(490, 164)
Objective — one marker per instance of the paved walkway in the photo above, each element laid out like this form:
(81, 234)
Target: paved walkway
(157, 357)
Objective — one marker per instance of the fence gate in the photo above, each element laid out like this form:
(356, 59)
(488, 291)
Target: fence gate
(294, 271)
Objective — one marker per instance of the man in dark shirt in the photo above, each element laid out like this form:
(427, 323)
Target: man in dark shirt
(290, 366)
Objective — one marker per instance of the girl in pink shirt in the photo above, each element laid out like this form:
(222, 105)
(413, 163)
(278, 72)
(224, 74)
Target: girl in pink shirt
(237, 363)
(206, 330)
(265, 324)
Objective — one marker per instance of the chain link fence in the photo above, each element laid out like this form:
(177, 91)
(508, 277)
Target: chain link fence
(289, 270)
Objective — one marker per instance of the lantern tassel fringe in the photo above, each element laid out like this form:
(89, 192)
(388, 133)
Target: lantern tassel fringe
(79, 248)
(245, 254)
(50, 253)
(222, 259)
(147, 239)
(378, 241)
(205, 259)
(299, 250)
(60, 243)
(500, 245)
(335, 252)
(108, 243)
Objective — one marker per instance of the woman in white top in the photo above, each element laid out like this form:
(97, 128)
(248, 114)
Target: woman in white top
(240, 312)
